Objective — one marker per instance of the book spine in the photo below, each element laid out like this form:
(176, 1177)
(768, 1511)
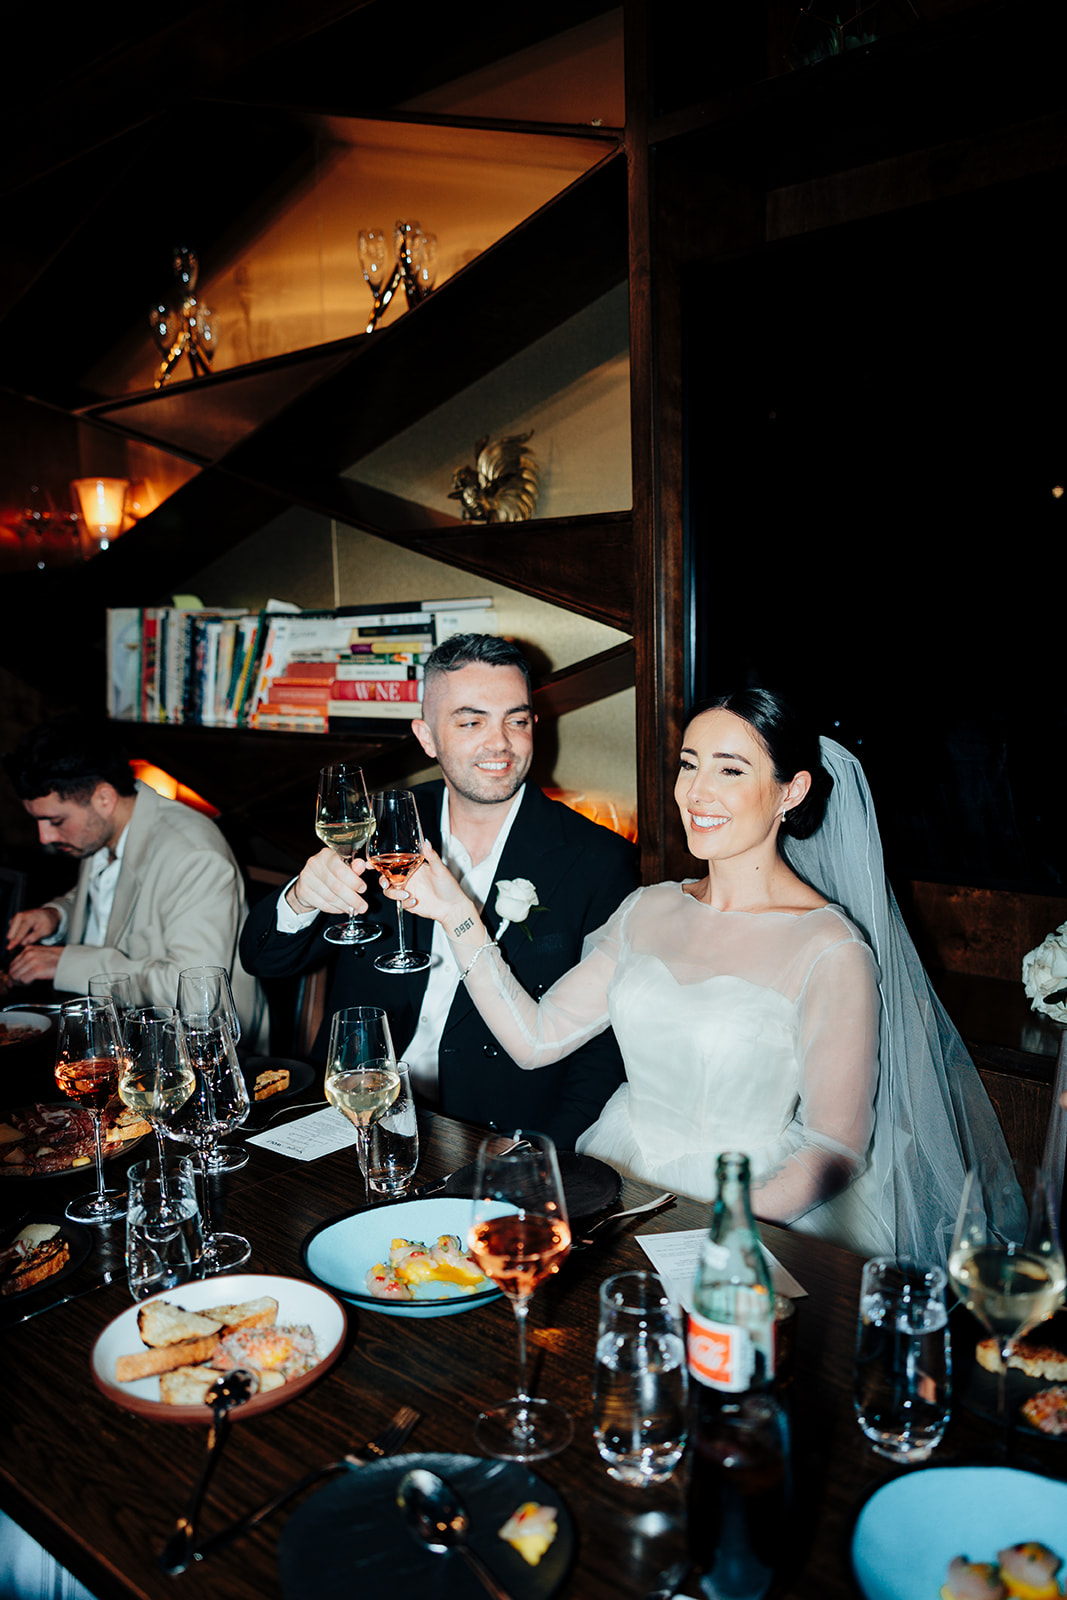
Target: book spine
(361, 689)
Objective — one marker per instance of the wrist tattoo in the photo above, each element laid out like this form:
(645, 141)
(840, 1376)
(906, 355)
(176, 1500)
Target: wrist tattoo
(456, 932)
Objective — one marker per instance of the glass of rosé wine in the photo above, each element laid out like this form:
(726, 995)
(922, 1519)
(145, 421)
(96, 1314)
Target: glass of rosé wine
(88, 1055)
(519, 1235)
(397, 854)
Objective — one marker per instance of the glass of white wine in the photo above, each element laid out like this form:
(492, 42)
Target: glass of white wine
(362, 1080)
(345, 823)
(1006, 1262)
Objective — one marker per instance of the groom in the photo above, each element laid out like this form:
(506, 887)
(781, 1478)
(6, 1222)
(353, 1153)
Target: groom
(490, 825)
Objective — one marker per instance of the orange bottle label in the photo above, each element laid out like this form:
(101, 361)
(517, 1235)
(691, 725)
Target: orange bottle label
(720, 1354)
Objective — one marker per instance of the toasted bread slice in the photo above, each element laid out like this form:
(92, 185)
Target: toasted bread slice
(261, 1313)
(41, 1261)
(270, 1083)
(161, 1323)
(186, 1386)
(1027, 1355)
(164, 1358)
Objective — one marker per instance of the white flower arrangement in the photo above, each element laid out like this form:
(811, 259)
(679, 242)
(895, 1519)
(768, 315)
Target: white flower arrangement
(1045, 975)
(515, 899)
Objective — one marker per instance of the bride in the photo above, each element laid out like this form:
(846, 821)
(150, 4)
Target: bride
(774, 1005)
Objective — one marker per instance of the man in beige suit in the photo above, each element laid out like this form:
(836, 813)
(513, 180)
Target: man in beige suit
(158, 889)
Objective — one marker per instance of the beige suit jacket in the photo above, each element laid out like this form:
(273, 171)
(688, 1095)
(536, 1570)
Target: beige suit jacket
(179, 902)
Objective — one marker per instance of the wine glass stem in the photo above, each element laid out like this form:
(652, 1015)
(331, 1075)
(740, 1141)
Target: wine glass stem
(363, 1151)
(400, 929)
(521, 1307)
(204, 1150)
(100, 1194)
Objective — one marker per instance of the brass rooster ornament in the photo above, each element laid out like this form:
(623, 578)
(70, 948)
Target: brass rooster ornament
(503, 486)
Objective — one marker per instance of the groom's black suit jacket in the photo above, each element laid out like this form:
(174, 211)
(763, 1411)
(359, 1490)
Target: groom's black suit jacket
(581, 873)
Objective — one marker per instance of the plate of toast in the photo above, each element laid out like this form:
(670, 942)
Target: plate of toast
(160, 1357)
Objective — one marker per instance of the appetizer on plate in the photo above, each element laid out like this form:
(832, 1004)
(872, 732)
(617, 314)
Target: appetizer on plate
(416, 1271)
(1025, 1571)
(40, 1140)
(38, 1252)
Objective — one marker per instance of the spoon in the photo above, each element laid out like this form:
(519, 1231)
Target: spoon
(229, 1390)
(436, 1515)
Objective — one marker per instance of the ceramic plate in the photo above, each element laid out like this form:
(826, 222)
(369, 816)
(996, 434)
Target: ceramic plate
(351, 1537)
(79, 1243)
(341, 1253)
(301, 1077)
(22, 1019)
(298, 1303)
(87, 1166)
(911, 1528)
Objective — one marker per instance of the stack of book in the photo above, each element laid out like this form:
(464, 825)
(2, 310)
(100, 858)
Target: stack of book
(301, 671)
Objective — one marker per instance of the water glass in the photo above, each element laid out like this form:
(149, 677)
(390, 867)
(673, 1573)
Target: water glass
(164, 1242)
(393, 1143)
(639, 1396)
(903, 1374)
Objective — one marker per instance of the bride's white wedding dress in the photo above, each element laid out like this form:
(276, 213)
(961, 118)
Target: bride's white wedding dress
(782, 1036)
(739, 1032)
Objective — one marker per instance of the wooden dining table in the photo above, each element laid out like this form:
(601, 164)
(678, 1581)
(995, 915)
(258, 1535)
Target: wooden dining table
(101, 1487)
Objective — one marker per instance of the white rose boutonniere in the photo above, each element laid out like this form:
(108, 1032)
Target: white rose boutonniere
(515, 899)
(1045, 975)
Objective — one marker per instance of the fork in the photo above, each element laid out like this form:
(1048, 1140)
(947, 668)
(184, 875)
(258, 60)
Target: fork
(616, 1216)
(386, 1443)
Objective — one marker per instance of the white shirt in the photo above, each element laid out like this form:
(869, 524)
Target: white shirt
(476, 882)
(103, 879)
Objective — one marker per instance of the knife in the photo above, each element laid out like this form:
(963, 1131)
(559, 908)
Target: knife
(101, 1283)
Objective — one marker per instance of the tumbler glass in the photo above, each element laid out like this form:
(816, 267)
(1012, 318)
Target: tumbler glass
(393, 1143)
(640, 1388)
(903, 1372)
(164, 1242)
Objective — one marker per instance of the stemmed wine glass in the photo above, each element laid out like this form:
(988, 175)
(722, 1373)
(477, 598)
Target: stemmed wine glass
(1006, 1261)
(114, 986)
(217, 1104)
(88, 1054)
(373, 260)
(206, 992)
(397, 854)
(152, 1079)
(345, 823)
(361, 1076)
(519, 1235)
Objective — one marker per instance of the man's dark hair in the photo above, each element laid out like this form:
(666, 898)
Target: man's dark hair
(69, 757)
(482, 649)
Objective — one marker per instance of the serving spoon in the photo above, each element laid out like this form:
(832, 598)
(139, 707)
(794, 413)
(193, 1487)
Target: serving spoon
(229, 1390)
(437, 1517)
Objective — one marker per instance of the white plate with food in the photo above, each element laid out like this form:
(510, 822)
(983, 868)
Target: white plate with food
(159, 1357)
(345, 1253)
(912, 1528)
(22, 1027)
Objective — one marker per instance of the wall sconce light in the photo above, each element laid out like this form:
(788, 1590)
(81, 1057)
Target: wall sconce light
(100, 503)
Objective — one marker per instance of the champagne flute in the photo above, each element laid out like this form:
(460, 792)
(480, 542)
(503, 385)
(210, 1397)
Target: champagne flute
(519, 1235)
(362, 1080)
(218, 1103)
(397, 854)
(1006, 1261)
(88, 1054)
(345, 823)
(206, 992)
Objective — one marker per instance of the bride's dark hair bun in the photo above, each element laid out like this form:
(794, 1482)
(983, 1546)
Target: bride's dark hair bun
(791, 747)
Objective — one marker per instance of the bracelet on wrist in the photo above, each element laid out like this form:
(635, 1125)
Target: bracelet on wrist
(489, 944)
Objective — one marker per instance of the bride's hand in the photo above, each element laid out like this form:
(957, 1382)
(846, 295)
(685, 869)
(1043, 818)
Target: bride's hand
(432, 892)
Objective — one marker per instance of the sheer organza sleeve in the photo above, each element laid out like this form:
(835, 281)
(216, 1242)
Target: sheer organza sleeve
(837, 1049)
(575, 1009)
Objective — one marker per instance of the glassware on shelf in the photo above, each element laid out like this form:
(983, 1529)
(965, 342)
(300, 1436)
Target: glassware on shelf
(374, 261)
